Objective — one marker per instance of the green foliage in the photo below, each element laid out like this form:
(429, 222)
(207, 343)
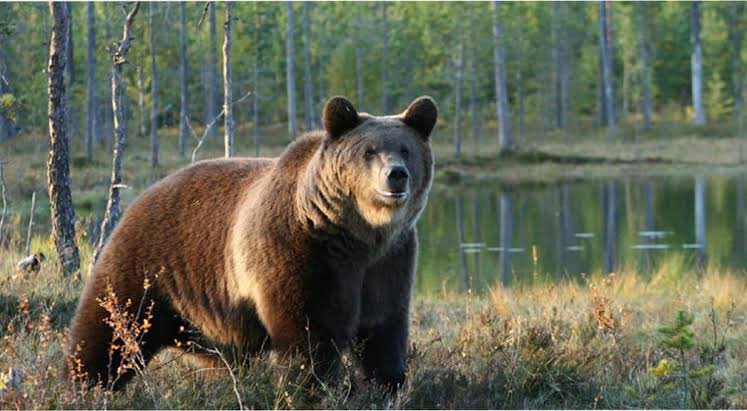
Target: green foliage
(679, 336)
(718, 101)
(8, 106)
(423, 43)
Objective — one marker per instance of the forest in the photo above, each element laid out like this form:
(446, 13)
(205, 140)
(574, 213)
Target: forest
(584, 241)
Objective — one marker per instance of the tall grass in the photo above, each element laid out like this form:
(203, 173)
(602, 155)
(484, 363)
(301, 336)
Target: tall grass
(574, 344)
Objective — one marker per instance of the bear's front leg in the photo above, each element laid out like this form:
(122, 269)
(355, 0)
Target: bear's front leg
(383, 350)
(385, 309)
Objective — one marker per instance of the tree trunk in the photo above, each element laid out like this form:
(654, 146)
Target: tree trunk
(228, 82)
(643, 46)
(113, 210)
(475, 126)
(255, 82)
(58, 167)
(606, 69)
(735, 38)
(212, 69)
(696, 63)
(384, 58)
(70, 65)
(358, 59)
(520, 102)
(183, 82)
(4, 121)
(458, 101)
(558, 56)
(141, 101)
(153, 90)
(290, 66)
(308, 86)
(91, 106)
(70, 71)
(501, 90)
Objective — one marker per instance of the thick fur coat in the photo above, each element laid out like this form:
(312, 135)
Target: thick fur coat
(301, 254)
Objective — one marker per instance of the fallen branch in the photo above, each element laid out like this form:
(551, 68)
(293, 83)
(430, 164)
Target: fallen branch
(209, 126)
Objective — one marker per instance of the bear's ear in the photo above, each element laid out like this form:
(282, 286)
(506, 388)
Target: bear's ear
(339, 116)
(421, 115)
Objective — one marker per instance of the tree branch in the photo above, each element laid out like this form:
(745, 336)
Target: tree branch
(209, 126)
(204, 12)
(124, 43)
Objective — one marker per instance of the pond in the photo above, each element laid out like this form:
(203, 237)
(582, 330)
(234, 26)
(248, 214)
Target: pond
(473, 236)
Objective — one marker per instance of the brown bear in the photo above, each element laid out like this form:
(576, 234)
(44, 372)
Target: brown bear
(302, 253)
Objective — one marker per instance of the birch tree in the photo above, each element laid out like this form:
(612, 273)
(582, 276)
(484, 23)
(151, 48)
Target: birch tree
(384, 58)
(212, 70)
(736, 34)
(606, 69)
(58, 168)
(141, 101)
(290, 66)
(474, 119)
(560, 66)
(458, 101)
(227, 82)
(643, 47)
(153, 89)
(358, 59)
(119, 59)
(183, 82)
(696, 64)
(501, 91)
(91, 106)
(255, 82)
(308, 93)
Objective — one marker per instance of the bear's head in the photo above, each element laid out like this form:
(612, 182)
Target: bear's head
(384, 162)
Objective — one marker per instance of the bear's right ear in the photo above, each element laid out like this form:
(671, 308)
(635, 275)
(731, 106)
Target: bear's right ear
(421, 115)
(339, 116)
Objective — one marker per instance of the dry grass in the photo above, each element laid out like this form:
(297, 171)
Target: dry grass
(577, 344)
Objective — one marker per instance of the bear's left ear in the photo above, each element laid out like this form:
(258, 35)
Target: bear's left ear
(421, 115)
(339, 116)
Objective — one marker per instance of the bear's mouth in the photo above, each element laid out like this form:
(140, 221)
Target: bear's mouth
(393, 195)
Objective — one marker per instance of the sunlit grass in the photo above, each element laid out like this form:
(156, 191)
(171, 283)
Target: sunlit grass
(583, 343)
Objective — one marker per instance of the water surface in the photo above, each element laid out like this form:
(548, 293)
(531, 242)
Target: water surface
(474, 235)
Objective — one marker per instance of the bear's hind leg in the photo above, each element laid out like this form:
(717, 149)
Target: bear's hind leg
(96, 357)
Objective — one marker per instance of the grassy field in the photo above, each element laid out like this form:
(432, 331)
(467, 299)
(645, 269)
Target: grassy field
(597, 343)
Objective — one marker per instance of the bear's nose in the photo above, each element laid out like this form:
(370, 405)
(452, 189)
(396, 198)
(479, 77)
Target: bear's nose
(397, 175)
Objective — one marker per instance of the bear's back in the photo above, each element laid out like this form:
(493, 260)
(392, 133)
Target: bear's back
(175, 234)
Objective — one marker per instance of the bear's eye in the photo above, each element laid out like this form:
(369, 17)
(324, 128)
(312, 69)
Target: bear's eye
(369, 154)
(405, 153)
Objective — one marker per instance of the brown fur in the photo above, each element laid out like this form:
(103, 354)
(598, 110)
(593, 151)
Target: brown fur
(286, 253)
